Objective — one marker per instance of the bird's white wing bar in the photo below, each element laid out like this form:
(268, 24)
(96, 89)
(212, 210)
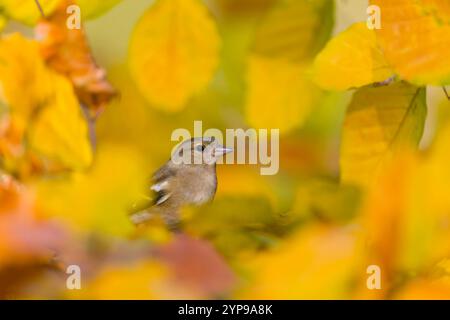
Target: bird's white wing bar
(158, 187)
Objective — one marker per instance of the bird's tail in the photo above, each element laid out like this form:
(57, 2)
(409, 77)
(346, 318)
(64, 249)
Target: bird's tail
(172, 221)
(141, 217)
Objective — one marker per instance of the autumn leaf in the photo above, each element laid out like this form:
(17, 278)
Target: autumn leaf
(48, 114)
(426, 231)
(282, 35)
(280, 95)
(60, 130)
(25, 236)
(24, 87)
(102, 191)
(384, 220)
(407, 234)
(379, 122)
(137, 281)
(316, 263)
(414, 37)
(351, 59)
(67, 52)
(22, 71)
(169, 60)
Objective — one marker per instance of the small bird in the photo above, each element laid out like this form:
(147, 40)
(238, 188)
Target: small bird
(188, 178)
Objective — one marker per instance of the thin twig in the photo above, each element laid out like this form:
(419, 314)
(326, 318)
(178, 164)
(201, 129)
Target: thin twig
(40, 9)
(386, 82)
(446, 93)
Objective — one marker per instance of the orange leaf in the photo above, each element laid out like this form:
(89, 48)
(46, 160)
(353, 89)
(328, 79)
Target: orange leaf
(67, 51)
(24, 237)
(415, 38)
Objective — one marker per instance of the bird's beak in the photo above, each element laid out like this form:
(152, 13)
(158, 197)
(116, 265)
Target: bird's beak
(221, 150)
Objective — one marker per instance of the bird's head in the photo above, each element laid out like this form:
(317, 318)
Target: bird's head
(205, 150)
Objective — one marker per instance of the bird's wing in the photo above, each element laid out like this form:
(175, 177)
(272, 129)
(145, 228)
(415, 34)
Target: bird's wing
(162, 179)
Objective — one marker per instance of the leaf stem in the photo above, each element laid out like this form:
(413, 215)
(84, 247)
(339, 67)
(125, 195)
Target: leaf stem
(446, 92)
(40, 9)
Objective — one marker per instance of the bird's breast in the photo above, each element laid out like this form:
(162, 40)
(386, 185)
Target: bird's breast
(200, 188)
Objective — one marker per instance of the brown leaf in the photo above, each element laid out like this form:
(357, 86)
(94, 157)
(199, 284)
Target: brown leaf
(67, 51)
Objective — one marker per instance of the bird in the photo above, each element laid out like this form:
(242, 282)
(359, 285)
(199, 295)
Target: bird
(187, 178)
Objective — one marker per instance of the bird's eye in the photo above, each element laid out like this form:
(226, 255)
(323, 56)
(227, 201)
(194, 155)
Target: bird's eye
(200, 148)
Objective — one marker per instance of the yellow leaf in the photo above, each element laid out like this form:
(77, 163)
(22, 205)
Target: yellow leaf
(171, 60)
(60, 130)
(384, 218)
(141, 281)
(279, 95)
(26, 11)
(351, 59)
(2, 22)
(405, 218)
(317, 263)
(42, 106)
(415, 37)
(24, 81)
(378, 122)
(109, 189)
(426, 231)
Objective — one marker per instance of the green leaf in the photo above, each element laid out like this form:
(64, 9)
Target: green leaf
(26, 11)
(91, 9)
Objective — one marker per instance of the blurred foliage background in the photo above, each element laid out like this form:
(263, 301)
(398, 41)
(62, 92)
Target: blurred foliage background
(363, 150)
